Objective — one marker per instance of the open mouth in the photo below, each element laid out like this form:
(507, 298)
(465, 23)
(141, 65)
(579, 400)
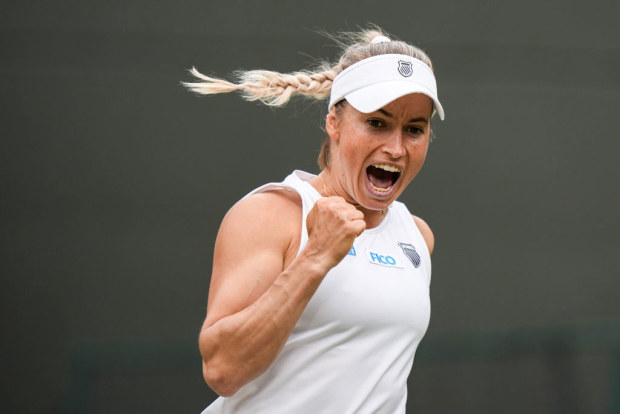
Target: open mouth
(382, 176)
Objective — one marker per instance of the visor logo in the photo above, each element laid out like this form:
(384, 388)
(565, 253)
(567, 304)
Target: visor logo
(405, 68)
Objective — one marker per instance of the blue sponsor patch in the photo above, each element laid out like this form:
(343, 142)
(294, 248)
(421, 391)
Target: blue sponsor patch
(352, 251)
(383, 259)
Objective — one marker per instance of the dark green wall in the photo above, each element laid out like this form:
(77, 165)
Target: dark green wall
(113, 181)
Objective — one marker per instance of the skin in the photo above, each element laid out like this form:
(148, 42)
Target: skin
(397, 134)
(256, 298)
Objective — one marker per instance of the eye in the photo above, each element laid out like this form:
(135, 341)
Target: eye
(375, 123)
(414, 130)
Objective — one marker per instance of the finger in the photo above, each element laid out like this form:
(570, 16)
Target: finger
(357, 215)
(361, 226)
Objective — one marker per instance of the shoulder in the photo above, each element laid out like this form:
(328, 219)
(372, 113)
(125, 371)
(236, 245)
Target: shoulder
(288, 200)
(258, 237)
(426, 233)
(260, 211)
(266, 220)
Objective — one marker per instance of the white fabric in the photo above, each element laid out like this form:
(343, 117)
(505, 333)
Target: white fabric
(372, 83)
(353, 347)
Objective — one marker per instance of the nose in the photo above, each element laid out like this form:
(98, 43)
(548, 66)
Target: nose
(394, 145)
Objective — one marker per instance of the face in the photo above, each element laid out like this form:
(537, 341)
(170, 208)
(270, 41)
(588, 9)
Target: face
(373, 157)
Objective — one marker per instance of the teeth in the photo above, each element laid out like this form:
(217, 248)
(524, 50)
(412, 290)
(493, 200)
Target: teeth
(386, 167)
(381, 190)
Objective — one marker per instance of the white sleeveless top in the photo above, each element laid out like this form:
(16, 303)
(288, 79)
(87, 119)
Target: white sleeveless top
(353, 346)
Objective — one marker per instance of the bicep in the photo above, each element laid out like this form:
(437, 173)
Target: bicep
(250, 248)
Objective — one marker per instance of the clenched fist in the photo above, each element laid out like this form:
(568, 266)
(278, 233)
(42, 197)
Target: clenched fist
(333, 224)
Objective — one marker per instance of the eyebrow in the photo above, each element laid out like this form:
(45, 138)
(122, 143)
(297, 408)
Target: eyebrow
(389, 115)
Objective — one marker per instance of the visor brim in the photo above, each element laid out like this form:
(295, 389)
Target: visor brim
(374, 97)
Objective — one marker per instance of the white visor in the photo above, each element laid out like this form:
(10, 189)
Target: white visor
(372, 83)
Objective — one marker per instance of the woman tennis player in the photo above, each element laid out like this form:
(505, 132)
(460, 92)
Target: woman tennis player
(324, 310)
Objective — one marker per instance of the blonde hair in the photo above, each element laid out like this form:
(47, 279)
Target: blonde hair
(277, 89)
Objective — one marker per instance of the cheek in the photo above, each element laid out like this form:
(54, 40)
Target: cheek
(353, 145)
(417, 156)
(419, 149)
(423, 152)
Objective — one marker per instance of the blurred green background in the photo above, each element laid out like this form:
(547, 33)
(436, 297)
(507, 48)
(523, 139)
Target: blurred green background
(114, 180)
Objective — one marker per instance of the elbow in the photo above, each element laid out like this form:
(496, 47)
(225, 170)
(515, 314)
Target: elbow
(219, 380)
(217, 372)
(221, 367)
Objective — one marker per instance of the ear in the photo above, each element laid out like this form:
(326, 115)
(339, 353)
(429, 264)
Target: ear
(332, 124)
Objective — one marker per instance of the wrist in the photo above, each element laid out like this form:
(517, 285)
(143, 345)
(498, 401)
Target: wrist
(316, 262)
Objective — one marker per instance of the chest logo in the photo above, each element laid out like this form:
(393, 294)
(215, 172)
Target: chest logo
(383, 259)
(411, 254)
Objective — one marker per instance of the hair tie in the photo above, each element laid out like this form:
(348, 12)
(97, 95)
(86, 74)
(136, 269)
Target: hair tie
(380, 39)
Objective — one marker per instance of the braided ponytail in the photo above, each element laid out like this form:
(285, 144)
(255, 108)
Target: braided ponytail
(271, 88)
(277, 89)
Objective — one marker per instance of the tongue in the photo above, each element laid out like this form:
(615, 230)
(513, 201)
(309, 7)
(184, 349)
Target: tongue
(380, 178)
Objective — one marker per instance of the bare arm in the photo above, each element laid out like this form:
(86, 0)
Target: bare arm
(259, 287)
(429, 238)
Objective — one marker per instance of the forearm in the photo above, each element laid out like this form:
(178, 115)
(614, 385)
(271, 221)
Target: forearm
(241, 346)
